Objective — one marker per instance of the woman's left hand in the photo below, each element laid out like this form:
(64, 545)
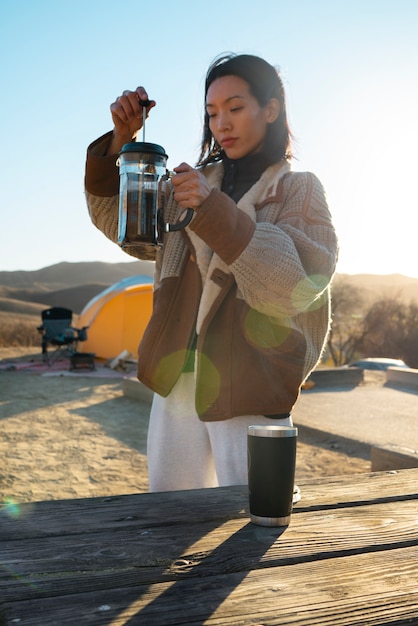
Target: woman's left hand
(191, 188)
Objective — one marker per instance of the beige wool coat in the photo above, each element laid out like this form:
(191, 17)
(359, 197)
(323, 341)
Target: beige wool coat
(252, 280)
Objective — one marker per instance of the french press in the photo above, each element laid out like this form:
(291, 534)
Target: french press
(143, 175)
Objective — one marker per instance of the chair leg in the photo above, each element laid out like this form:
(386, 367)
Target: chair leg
(61, 352)
(44, 350)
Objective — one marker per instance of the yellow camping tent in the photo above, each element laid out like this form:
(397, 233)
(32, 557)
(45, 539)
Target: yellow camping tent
(117, 317)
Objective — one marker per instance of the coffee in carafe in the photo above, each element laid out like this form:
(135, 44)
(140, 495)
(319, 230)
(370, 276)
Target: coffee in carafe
(143, 175)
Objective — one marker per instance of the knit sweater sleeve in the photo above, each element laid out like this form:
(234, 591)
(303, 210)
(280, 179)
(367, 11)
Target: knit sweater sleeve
(284, 264)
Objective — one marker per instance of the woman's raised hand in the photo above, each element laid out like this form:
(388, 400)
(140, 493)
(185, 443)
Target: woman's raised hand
(127, 116)
(191, 188)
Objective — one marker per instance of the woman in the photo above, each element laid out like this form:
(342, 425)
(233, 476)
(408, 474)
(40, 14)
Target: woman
(241, 296)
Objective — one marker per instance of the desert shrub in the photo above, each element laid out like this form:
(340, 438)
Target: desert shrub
(19, 330)
(367, 327)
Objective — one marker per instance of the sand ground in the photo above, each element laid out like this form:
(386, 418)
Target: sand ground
(80, 436)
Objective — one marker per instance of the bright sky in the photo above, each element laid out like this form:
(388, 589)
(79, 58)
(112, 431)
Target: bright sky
(351, 76)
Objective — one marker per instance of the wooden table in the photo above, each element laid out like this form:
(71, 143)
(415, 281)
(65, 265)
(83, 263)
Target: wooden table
(349, 556)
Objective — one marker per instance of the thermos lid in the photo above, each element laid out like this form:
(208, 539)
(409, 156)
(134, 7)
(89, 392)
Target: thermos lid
(272, 430)
(141, 146)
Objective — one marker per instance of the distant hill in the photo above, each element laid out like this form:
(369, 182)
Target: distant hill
(74, 298)
(20, 307)
(375, 286)
(74, 274)
(73, 285)
(70, 285)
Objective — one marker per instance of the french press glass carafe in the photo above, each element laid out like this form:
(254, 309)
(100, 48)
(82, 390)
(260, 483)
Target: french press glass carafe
(143, 174)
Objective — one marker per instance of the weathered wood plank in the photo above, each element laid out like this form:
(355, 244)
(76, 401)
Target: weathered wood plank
(57, 565)
(90, 515)
(60, 517)
(127, 547)
(367, 589)
(359, 489)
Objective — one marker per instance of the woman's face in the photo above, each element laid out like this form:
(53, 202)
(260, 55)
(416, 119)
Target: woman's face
(236, 120)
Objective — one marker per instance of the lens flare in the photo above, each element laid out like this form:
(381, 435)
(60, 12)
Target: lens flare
(11, 508)
(313, 287)
(207, 393)
(174, 361)
(263, 332)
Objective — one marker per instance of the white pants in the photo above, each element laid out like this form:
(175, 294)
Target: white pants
(186, 453)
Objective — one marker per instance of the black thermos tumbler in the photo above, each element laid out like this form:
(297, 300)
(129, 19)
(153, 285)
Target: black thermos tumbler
(271, 473)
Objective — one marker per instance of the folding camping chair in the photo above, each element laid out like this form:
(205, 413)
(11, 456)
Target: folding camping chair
(57, 330)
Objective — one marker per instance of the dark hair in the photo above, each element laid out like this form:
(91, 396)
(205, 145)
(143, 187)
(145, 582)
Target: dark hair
(265, 83)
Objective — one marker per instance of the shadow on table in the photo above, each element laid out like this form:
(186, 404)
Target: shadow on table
(204, 582)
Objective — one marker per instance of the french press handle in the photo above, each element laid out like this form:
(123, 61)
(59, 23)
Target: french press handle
(168, 228)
